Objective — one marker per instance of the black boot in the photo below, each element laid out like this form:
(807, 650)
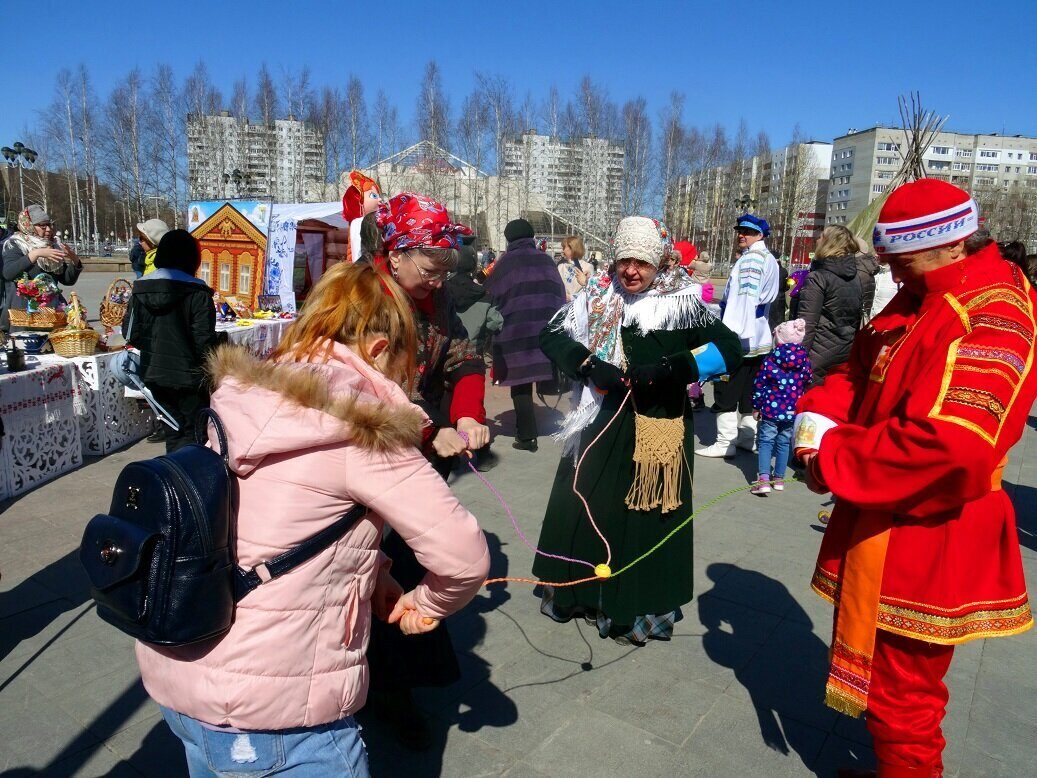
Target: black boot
(525, 445)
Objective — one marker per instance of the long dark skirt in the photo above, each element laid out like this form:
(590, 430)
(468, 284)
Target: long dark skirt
(399, 661)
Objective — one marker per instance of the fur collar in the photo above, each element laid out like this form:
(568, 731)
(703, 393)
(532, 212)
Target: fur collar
(377, 426)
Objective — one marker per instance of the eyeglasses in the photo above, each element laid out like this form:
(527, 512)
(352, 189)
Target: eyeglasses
(427, 275)
(746, 231)
(640, 264)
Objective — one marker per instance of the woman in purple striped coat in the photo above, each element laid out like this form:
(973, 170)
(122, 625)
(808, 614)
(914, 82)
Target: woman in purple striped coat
(526, 288)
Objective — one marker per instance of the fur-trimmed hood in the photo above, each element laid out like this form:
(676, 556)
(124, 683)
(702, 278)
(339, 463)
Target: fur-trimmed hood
(273, 408)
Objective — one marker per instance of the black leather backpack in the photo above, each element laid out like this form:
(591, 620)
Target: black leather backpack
(160, 562)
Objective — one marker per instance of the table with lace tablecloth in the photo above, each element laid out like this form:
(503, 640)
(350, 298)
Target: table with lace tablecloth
(41, 432)
(260, 336)
(108, 419)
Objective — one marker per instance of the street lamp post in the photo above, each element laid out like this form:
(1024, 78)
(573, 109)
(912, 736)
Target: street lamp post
(156, 198)
(14, 156)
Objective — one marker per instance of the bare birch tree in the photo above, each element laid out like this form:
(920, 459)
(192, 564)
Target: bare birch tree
(551, 112)
(388, 139)
(37, 178)
(167, 133)
(798, 191)
(202, 102)
(267, 108)
(63, 127)
(325, 115)
(637, 155)
(671, 138)
(432, 111)
(472, 136)
(432, 121)
(357, 124)
(87, 139)
(498, 96)
(123, 142)
(298, 94)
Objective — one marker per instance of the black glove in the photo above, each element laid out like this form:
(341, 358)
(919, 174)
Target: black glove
(604, 375)
(646, 375)
(670, 369)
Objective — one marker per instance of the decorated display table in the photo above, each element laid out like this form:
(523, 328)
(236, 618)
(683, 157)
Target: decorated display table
(59, 410)
(258, 335)
(41, 431)
(108, 419)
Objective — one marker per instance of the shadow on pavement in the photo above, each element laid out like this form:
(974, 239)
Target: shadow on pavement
(548, 418)
(785, 677)
(160, 752)
(65, 578)
(1024, 498)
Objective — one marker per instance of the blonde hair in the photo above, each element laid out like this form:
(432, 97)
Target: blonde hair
(836, 241)
(349, 304)
(575, 244)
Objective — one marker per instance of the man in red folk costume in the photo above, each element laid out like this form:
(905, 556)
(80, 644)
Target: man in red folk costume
(911, 437)
(361, 198)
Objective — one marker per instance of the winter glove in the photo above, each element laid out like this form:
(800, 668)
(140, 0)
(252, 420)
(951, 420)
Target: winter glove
(672, 369)
(644, 376)
(603, 375)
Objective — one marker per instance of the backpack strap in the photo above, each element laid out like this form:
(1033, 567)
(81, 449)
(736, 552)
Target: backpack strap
(205, 417)
(247, 580)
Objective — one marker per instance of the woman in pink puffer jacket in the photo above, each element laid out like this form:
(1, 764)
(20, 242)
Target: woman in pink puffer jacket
(316, 430)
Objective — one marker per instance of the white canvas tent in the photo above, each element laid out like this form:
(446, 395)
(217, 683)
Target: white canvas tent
(282, 237)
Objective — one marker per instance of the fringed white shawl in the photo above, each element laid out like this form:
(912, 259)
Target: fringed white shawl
(595, 317)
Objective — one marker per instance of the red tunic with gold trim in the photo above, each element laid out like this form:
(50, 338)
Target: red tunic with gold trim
(937, 390)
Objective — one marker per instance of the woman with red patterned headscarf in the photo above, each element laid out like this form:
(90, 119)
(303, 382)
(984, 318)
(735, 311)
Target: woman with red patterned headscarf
(420, 250)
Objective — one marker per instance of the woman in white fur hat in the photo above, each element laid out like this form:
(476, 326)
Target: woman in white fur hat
(635, 341)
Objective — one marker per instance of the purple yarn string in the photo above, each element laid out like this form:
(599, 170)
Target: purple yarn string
(514, 523)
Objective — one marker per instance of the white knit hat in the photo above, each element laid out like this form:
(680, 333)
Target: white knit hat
(153, 230)
(639, 237)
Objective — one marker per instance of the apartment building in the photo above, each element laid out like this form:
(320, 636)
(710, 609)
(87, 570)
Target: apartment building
(231, 157)
(787, 186)
(993, 167)
(580, 179)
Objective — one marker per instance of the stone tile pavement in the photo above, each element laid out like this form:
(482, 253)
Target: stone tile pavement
(737, 692)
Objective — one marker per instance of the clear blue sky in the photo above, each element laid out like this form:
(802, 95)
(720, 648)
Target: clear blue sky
(827, 66)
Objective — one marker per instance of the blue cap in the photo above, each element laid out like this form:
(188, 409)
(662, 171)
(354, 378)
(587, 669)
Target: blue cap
(754, 223)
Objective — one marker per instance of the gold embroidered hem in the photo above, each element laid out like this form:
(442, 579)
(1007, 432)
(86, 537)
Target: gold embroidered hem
(970, 621)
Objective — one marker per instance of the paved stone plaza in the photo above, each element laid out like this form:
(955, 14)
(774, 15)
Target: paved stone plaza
(737, 692)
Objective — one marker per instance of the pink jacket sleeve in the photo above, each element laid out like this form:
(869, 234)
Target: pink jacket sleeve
(407, 493)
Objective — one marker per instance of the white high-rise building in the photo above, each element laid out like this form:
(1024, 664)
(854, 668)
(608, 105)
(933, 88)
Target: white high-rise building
(229, 157)
(580, 179)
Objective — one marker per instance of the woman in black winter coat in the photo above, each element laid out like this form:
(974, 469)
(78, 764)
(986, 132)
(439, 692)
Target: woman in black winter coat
(172, 321)
(832, 299)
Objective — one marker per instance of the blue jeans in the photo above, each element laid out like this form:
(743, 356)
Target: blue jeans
(775, 437)
(329, 749)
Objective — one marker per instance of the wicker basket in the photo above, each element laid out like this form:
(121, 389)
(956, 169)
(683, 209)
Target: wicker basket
(74, 343)
(112, 314)
(42, 319)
